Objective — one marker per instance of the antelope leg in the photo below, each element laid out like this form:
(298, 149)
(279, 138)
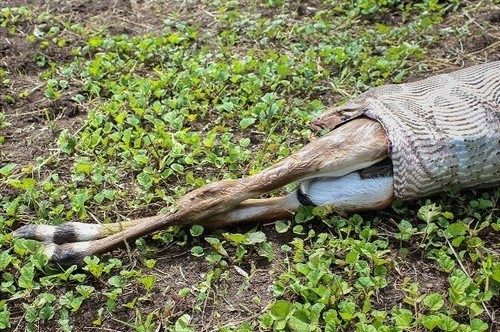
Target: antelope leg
(251, 210)
(354, 145)
(367, 189)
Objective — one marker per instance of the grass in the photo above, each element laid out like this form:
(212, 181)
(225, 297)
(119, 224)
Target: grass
(198, 92)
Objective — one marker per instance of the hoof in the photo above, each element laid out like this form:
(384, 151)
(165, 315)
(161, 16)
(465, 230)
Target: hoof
(25, 232)
(43, 233)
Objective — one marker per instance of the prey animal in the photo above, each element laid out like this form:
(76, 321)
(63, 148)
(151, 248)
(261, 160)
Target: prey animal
(396, 141)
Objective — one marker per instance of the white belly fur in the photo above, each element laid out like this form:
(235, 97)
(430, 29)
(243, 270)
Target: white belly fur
(349, 192)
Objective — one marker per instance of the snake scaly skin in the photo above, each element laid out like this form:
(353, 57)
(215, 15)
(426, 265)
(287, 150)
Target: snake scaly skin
(443, 130)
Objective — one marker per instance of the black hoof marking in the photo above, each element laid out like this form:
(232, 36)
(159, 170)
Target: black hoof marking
(66, 257)
(65, 233)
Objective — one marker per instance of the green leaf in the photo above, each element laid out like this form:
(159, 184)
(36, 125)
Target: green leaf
(282, 226)
(434, 301)
(295, 324)
(298, 229)
(145, 180)
(332, 320)
(352, 256)
(316, 310)
(210, 139)
(266, 320)
(141, 159)
(404, 318)
(212, 240)
(478, 325)
(183, 292)
(444, 261)
(4, 316)
(24, 184)
(255, 237)
(64, 321)
(447, 323)
(246, 122)
(182, 324)
(235, 238)
(496, 272)
(196, 230)
(177, 167)
(459, 282)
(148, 282)
(85, 290)
(197, 251)
(245, 142)
(266, 249)
(46, 313)
(116, 281)
(429, 212)
(456, 229)
(175, 38)
(430, 321)
(149, 263)
(476, 309)
(281, 309)
(95, 41)
(347, 310)
(94, 266)
(27, 275)
(448, 215)
(7, 169)
(5, 259)
(31, 314)
(70, 301)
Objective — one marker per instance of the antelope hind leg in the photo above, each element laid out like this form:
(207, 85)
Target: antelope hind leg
(354, 145)
(367, 189)
(251, 210)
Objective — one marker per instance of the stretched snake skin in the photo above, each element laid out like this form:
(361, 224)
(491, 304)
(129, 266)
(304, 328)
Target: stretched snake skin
(443, 130)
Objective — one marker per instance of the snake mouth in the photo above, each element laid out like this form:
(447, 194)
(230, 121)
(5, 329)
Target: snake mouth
(381, 169)
(364, 189)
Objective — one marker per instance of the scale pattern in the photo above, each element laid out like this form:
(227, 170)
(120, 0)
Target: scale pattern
(443, 130)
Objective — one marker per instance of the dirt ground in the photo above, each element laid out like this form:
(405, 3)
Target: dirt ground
(37, 122)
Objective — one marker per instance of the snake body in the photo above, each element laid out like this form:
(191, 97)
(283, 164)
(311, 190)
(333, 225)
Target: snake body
(443, 130)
